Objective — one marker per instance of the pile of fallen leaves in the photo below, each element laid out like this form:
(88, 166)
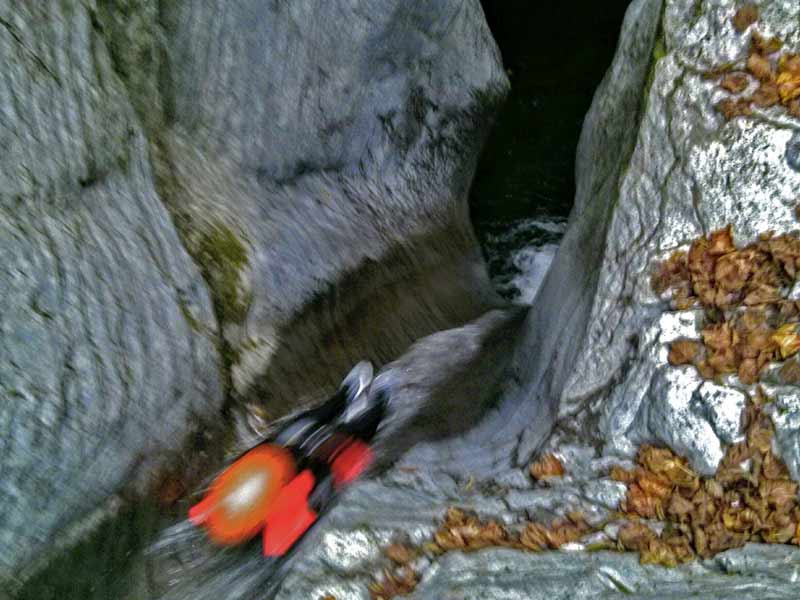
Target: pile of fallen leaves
(749, 320)
(749, 499)
(777, 73)
(464, 530)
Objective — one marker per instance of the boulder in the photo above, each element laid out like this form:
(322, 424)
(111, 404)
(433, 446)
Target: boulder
(213, 209)
(318, 163)
(688, 173)
(657, 166)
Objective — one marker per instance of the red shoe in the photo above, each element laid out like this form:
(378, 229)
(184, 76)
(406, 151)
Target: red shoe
(290, 516)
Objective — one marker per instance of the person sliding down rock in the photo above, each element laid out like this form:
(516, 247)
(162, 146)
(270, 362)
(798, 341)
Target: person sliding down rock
(282, 485)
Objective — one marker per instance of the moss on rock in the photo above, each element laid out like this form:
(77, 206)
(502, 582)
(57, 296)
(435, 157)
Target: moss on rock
(222, 257)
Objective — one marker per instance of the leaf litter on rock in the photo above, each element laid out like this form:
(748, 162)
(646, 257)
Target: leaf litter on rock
(778, 76)
(749, 321)
(750, 498)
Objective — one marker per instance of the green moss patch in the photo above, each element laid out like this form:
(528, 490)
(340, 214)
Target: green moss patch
(222, 257)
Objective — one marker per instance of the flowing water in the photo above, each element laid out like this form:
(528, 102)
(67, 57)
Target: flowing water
(555, 56)
(519, 254)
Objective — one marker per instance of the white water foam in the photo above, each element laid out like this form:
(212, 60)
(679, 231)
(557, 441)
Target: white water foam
(520, 254)
(533, 263)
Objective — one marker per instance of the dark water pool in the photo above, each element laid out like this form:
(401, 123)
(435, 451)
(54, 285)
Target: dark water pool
(555, 54)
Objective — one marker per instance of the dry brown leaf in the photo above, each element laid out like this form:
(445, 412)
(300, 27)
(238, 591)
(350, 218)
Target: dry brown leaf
(705, 369)
(788, 88)
(547, 466)
(735, 82)
(764, 45)
(401, 554)
(658, 553)
(731, 108)
(772, 468)
(672, 273)
(789, 63)
(465, 531)
(718, 337)
(562, 532)
(760, 67)
(713, 489)
(534, 537)
(721, 241)
(732, 271)
(767, 94)
(761, 294)
(748, 371)
(781, 534)
(683, 352)
(654, 485)
(640, 503)
(787, 339)
(679, 506)
(635, 535)
(394, 584)
(619, 474)
(665, 462)
(759, 438)
(779, 493)
(744, 17)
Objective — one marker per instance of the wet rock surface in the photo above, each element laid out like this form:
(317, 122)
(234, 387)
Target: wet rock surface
(211, 204)
(465, 362)
(593, 362)
(342, 138)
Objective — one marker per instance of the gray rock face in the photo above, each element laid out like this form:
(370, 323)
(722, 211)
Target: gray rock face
(314, 221)
(211, 200)
(690, 173)
(342, 137)
(657, 167)
(513, 576)
(555, 329)
(107, 348)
